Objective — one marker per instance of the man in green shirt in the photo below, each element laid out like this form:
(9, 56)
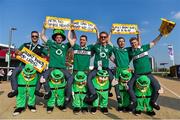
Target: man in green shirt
(142, 66)
(57, 54)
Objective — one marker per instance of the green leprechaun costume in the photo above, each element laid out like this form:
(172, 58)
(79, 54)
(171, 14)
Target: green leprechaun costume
(101, 84)
(27, 81)
(79, 89)
(57, 85)
(123, 97)
(143, 92)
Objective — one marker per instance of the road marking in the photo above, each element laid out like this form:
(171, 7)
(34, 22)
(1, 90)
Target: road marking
(170, 91)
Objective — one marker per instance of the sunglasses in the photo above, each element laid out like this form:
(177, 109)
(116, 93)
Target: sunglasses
(34, 36)
(103, 36)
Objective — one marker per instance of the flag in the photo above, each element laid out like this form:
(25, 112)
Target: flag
(171, 52)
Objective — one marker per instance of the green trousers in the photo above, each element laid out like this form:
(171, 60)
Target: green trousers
(78, 100)
(102, 99)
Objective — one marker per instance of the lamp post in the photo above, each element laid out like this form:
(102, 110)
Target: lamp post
(9, 49)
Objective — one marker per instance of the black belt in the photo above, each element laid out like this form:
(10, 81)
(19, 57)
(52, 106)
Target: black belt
(26, 85)
(80, 92)
(102, 90)
(143, 96)
(57, 88)
(85, 71)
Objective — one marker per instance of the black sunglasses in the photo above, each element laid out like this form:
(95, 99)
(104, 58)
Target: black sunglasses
(103, 36)
(34, 36)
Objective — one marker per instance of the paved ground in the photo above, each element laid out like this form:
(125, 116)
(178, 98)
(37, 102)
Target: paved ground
(169, 101)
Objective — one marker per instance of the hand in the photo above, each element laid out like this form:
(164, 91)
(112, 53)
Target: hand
(44, 25)
(18, 52)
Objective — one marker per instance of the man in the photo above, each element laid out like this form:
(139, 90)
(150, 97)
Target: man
(102, 51)
(142, 66)
(34, 47)
(82, 53)
(57, 59)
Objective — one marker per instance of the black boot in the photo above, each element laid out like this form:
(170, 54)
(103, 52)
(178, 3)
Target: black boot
(76, 110)
(90, 99)
(39, 94)
(12, 93)
(137, 112)
(50, 109)
(120, 109)
(155, 105)
(93, 110)
(17, 111)
(32, 108)
(132, 106)
(104, 110)
(63, 108)
(151, 113)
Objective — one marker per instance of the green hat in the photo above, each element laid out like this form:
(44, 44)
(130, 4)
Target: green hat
(29, 69)
(80, 76)
(103, 73)
(125, 75)
(57, 75)
(143, 81)
(58, 32)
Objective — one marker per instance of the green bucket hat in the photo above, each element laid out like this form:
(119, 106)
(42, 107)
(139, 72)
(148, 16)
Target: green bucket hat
(80, 76)
(57, 75)
(58, 32)
(29, 70)
(103, 73)
(143, 81)
(125, 75)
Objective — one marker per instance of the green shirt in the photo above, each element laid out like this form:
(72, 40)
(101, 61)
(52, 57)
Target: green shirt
(102, 53)
(100, 86)
(57, 54)
(121, 57)
(82, 56)
(142, 65)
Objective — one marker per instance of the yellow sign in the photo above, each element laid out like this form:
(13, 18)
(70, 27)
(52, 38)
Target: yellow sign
(166, 26)
(57, 23)
(124, 29)
(30, 57)
(83, 25)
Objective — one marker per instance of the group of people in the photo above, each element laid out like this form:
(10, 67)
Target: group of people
(136, 90)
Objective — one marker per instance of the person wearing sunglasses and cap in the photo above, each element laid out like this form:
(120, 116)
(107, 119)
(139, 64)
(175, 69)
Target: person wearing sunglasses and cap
(143, 92)
(27, 81)
(57, 85)
(57, 59)
(79, 89)
(34, 47)
(101, 84)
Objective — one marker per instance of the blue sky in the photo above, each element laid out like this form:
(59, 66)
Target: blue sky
(28, 15)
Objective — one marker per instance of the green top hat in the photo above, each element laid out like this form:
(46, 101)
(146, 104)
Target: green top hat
(143, 81)
(80, 76)
(125, 75)
(103, 73)
(29, 70)
(58, 32)
(57, 75)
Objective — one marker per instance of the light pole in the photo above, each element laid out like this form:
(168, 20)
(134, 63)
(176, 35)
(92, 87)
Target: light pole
(9, 49)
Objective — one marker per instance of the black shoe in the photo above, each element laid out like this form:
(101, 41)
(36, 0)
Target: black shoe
(67, 101)
(155, 105)
(76, 110)
(137, 112)
(110, 94)
(50, 109)
(63, 108)
(126, 109)
(12, 93)
(17, 111)
(32, 108)
(37, 93)
(91, 99)
(104, 110)
(120, 109)
(48, 95)
(84, 109)
(152, 113)
(93, 110)
(132, 106)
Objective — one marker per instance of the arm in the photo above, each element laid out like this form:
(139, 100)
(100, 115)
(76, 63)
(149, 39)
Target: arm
(43, 34)
(97, 34)
(154, 42)
(138, 37)
(72, 40)
(109, 38)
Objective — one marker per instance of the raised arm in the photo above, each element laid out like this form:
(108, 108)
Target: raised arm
(43, 34)
(72, 40)
(138, 37)
(154, 42)
(109, 38)
(97, 34)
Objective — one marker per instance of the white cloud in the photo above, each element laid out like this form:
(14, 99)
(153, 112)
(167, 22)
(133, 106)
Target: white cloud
(176, 15)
